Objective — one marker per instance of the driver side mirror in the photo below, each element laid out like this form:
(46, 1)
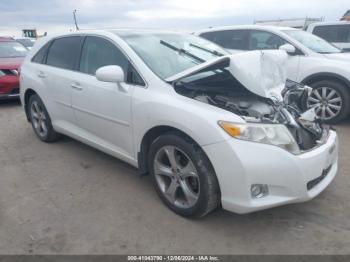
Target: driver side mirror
(288, 48)
(111, 74)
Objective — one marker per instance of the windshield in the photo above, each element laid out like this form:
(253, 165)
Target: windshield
(26, 42)
(167, 54)
(12, 49)
(313, 42)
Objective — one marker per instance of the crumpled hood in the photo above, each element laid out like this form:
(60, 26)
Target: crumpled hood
(339, 56)
(261, 72)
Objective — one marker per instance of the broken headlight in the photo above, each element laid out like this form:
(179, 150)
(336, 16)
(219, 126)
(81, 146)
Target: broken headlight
(272, 134)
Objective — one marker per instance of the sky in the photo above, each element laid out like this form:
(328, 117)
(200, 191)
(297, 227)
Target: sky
(55, 16)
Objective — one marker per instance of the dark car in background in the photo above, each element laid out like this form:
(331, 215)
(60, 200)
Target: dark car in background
(12, 55)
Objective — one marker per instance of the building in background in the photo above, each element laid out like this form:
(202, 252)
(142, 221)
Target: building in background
(31, 33)
(346, 16)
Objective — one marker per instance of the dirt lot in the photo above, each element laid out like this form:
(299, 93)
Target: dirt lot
(70, 198)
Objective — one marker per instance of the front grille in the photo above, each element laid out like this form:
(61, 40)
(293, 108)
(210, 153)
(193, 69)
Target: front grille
(10, 72)
(311, 184)
(15, 91)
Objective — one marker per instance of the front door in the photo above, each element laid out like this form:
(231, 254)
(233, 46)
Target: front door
(103, 110)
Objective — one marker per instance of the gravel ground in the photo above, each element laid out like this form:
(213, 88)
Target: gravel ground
(68, 198)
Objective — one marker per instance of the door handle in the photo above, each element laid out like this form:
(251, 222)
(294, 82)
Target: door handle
(76, 86)
(41, 74)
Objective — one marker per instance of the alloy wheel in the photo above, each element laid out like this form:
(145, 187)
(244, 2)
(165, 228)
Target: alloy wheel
(39, 119)
(176, 177)
(326, 101)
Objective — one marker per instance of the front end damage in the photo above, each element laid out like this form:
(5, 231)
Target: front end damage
(254, 86)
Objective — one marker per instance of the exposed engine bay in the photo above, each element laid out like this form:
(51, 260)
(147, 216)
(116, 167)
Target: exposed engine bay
(217, 86)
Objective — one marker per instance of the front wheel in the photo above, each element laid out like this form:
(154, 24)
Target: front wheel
(330, 100)
(183, 176)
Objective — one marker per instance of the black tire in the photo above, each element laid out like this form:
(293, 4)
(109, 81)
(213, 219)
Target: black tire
(343, 91)
(209, 194)
(51, 135)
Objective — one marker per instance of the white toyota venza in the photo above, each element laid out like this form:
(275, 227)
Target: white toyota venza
(209, 127)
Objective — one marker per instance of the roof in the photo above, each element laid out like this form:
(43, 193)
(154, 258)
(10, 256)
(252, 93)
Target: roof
(116, 31)
(251, 27)
(142, 31)
(330, 23)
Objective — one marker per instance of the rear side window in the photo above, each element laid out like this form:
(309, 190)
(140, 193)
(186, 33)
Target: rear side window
(64, 52)
(98, 52)
(230, 39)
(41, 54)
(333, 33)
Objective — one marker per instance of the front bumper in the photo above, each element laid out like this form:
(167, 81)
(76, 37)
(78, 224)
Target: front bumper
(290, 178)
(13, 95)
(9, 87)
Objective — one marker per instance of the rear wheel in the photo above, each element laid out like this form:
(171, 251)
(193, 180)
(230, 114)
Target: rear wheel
(330, 100)
(41, 121)
(183, 176)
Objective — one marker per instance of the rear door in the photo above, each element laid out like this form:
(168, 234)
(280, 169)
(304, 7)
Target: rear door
(103, 110)
(59, 73)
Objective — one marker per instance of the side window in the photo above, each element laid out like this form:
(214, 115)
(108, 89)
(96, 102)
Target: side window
(329, 32)
(64, 52)
(261, 40)
(98, 52)
(344, 34)
(230, 39)
(333, 33)
(40, 56)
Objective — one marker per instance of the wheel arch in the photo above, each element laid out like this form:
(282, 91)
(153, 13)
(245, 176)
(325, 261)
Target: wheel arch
(28, 93)
(326, 76)
(150, 136)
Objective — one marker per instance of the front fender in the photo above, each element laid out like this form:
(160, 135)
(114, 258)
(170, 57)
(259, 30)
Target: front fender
(196, 119)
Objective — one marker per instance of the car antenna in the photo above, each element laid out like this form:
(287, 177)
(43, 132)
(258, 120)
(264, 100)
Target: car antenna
(75, 19)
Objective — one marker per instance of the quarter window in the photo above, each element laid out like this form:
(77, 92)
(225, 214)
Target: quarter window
(134, 77)
(41, 54)
(64, 52)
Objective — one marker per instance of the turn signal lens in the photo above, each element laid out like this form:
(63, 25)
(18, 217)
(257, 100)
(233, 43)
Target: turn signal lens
(230, 128)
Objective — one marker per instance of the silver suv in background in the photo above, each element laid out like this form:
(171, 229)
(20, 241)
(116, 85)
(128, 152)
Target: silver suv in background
(337, 33)
(311, 61)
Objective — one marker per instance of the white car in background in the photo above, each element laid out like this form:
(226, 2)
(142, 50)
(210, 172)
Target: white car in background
(312, 61)
(211, 128)
(26, 42)
(337, 33)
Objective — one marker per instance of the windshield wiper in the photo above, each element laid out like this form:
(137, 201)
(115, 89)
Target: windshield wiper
(214, 52)
(182, 51)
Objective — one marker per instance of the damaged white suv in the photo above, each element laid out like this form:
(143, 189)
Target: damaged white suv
(211, 128)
